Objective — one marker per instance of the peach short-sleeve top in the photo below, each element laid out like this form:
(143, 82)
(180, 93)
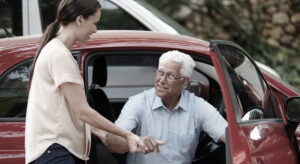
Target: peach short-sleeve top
(49, 118)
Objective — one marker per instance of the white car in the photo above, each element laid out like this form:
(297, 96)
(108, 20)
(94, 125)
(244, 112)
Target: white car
(35, 15)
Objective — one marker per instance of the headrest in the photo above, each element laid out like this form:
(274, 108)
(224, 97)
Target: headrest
(199, 88)
(99, 72)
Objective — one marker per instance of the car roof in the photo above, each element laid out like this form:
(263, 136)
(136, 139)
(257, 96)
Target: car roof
(144, 39)
(24, 47)
(118, 38)
(7, 43)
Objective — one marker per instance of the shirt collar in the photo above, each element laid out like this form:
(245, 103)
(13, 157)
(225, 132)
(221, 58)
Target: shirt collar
(182, 104)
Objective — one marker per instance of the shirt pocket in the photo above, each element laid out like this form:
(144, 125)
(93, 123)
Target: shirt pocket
(186, 142)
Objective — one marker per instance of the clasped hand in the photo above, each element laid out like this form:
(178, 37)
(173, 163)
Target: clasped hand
(144, 145)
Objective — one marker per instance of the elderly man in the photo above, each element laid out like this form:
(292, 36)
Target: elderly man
(168, 113)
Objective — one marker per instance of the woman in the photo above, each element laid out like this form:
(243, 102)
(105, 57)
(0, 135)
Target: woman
(58, 115)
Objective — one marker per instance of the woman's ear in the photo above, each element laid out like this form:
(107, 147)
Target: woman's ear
(79, 20)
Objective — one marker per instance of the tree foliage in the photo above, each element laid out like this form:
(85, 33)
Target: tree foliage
(247, 34)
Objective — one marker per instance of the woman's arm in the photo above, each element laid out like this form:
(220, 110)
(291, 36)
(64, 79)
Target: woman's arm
(76, 97)
(119, 145)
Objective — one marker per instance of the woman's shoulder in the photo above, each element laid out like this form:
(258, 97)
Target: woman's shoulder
(57, 45)
(56, 48)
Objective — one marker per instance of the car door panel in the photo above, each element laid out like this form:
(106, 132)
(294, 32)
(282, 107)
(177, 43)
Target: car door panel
(12, 148)
(254, 141)
(268, 143)
(281, 99)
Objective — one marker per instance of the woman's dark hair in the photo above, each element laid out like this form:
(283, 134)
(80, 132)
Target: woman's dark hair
(67, 12)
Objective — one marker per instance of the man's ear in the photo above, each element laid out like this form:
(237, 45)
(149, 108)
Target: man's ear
(186, 81)
(79, 20)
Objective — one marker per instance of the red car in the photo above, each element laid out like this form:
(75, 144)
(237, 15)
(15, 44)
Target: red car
(262, 112)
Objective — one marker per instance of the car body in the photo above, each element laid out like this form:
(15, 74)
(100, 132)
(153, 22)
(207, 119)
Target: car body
(225, 76)
(36, 15)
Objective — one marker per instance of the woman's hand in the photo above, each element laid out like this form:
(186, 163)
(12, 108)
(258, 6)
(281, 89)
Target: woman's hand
(143, 144)
(136, 144)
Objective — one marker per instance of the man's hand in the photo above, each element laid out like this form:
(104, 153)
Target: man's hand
(143, 144)
(152, 144)
(223, 138)
(120, 145)
(136, 144)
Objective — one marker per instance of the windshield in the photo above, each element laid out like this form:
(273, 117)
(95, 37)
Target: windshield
(180, 29)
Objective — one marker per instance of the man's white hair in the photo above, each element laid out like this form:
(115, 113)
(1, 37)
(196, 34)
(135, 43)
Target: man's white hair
(188, 63)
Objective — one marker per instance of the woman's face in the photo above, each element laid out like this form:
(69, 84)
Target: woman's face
(88, 26)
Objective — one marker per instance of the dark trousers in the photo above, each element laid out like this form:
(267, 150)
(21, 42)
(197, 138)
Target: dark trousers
(57, 154)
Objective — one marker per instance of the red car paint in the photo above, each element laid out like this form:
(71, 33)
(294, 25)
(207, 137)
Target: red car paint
(263, 142)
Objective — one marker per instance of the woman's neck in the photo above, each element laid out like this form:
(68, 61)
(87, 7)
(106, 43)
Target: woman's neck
(66, 35)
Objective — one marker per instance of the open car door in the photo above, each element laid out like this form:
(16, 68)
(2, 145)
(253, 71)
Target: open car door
(256, 131)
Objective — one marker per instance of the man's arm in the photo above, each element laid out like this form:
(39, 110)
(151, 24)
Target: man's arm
(212, 122)
(112, 142)
(75, 96)
(119, 145)
(128, 119)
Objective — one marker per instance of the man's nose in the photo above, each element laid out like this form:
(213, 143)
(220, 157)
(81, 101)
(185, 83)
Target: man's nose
(163, 79)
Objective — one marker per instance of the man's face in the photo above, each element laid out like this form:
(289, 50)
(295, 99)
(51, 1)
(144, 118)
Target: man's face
(168, 82)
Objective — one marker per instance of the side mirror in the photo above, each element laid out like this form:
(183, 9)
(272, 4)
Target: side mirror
(254, 114)
(292, 109)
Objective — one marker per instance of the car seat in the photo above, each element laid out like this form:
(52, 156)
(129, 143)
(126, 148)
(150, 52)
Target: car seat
(97, 97)
(99, 102)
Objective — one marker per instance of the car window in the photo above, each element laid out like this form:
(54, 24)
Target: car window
(48, 10)
(249, 86)
(2, 33)
(11, 17)
(115, 18)
(13, 91)
(128, 75)
(165, 18)
(112, 16)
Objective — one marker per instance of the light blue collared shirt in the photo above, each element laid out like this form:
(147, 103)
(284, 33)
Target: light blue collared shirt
(146, 115)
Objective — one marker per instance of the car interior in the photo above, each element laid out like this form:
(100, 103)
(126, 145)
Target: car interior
(112, 77)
